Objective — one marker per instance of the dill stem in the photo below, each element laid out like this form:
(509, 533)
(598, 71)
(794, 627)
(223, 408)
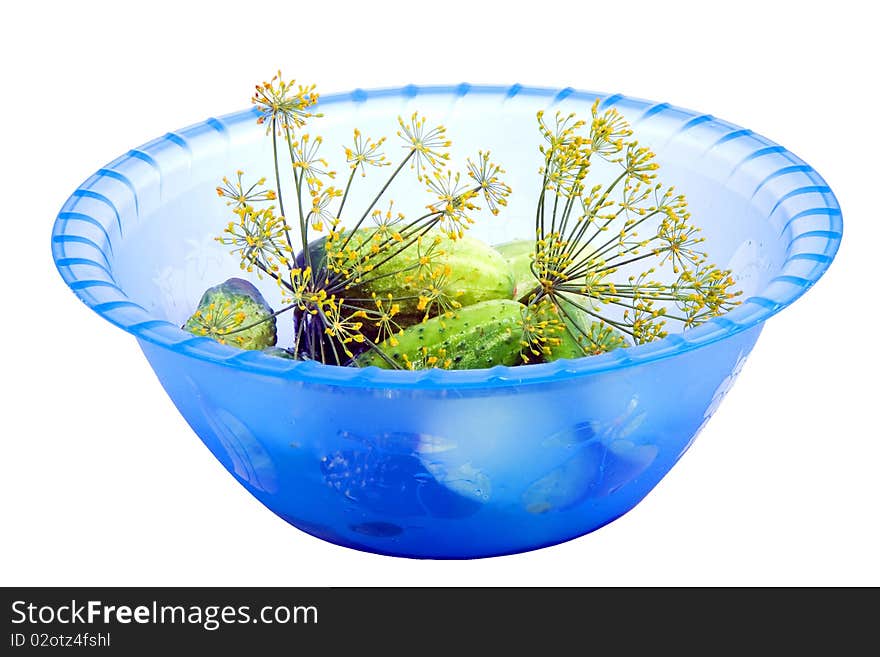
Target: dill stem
(576, 238)
(300, 328)
(617, 265)
(618, 325)
(303, 230)
(569, 203)
(345, 194)
(278, 185)
(271, 273)
(412, 241)
(539, 211)
(376, 199)
(337, 277)
(605, 247)
(381, 353)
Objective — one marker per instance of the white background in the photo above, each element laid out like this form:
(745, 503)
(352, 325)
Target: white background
(102, 481)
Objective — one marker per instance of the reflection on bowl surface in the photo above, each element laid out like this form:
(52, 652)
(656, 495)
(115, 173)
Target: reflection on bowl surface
(444, 464)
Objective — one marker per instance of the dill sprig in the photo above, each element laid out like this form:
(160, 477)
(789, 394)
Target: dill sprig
(599, 249)
(321, 261)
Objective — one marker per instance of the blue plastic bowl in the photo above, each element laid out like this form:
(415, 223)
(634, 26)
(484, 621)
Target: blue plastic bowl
(444, 464)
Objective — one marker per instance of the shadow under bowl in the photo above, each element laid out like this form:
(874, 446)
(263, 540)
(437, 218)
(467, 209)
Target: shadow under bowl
(444, 464)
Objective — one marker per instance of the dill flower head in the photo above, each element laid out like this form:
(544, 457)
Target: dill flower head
(560, 134)
(437, 296)
(387, 223)
(541, 331)
(365, 152)
(240, 194)
(282, 105)
(321, 210)
(454, 203)
(298, 290)
(312, 168)
(258, 238)
(381, 318)
(639, 162)
(424, 144)
(599, 338)
(487, 177)
(342, 325)
(608, 131)
(705, 292)
(218, 320)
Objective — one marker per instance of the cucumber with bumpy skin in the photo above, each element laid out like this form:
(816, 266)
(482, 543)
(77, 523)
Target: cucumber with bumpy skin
(477, 272)
(234, 312)
(518, 255)
(583, 335)
(481, 335)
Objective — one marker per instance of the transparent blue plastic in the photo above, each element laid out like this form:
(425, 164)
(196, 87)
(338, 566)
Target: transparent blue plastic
(443, 464)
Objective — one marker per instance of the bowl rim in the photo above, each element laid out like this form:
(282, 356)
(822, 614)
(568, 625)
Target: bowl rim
(821, 223)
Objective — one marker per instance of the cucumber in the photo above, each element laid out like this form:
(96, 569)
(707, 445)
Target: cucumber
(484, 334)
(227, 308)
(280, 352)
(477, 273)
(584, 335)
(518, 255)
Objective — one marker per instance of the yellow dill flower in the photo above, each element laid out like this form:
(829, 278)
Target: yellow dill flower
(365, 152)
(486, 176)
(309, 164)
(561, 132)
(320, 210)
(454, 203)
(678, 239)
(387, 223)
(298, 292)
(437, 293)
(705, 292)
(219, 321)
(541, 328)
(608, 131)
(424, 144)
(239, 196)
(428, 256)
(382, 318)
(341, 325)
(281, 106)
(639, 162)
(259, 239)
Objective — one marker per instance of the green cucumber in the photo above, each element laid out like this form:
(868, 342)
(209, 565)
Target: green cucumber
(519, 254)
(484, 334)
(477, 273)
(584, 335)
(234, 312)
(280, 352)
